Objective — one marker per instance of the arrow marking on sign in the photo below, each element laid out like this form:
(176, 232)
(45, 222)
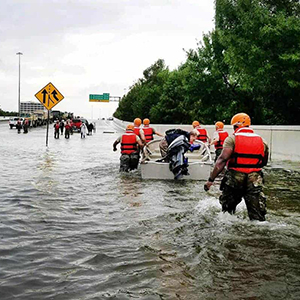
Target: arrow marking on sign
(44, 92)
(54, 93)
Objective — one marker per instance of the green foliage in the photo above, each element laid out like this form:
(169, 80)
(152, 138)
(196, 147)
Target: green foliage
(248, 63)
(7, 113)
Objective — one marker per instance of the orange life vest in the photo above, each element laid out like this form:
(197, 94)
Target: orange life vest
(148, 132)
(248, 152)
(137, 131)
(222, 136)
(203, 134)
(128, 144)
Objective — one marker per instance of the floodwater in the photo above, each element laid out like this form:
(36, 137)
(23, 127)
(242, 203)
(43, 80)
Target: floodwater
(73, 227)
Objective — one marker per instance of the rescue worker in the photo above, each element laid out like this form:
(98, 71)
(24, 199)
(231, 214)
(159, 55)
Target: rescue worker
(129, 149)
(138, 130)
(56, 130)
(71, 126)
(149, 131)
(203, 135)
(62, 125)
(245, 153)
(19, 126)
(67, 129)
(25, 125)
(218, 139)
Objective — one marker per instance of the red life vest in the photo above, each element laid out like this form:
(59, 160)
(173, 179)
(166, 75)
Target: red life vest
(148, 132)
(137, 131)
(203, 134)
(248, 152)
(56, 126)
(128, 144)
(222, 136)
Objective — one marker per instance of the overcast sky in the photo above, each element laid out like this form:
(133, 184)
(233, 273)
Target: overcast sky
(92, 46)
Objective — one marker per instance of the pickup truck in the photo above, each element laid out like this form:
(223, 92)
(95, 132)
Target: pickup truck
(13, 122)
(77, 124)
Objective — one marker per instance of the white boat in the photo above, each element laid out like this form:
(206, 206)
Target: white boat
(199, 163)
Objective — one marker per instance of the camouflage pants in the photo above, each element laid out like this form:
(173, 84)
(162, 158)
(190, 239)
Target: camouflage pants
(236, 185)
(129, 161)
(218, 152)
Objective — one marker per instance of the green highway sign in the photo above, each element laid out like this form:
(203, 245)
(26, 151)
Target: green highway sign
(99, 98)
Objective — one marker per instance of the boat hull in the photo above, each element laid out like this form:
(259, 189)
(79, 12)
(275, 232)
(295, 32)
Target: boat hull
(158, 170)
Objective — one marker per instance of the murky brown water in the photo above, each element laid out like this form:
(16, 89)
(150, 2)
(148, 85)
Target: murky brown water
(72, 227)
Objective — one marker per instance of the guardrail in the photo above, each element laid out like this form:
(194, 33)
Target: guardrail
(5, 118)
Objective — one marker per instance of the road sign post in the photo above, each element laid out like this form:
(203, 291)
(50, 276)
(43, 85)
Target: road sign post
(49, 96)
(48, 120)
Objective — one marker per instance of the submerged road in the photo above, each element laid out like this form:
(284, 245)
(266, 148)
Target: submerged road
(73, 227)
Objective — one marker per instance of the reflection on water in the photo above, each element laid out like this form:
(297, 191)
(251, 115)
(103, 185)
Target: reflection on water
(73, 227)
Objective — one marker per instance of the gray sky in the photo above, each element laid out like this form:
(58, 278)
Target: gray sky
(92, 46)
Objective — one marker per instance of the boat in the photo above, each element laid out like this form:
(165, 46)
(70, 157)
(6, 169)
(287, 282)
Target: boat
(153, 167)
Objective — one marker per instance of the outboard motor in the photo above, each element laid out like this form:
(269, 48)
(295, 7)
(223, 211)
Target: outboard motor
(178, 164)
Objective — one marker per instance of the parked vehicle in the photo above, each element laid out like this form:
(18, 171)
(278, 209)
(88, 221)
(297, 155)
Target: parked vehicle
(77, 124)
(13, 122)
(31, 117)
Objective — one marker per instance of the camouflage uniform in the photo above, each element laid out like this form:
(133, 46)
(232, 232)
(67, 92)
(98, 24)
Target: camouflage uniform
(236, 185)
(218, 152)
(129, 161)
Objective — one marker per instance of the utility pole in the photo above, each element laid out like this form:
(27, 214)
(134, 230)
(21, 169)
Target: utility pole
(19, 101)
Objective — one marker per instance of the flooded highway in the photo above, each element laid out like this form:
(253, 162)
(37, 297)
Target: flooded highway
(73, 227)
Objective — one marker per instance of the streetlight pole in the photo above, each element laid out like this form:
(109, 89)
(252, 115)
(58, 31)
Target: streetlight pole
(19, 101)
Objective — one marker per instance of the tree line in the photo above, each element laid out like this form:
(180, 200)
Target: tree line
(4, 113)
(250, 62)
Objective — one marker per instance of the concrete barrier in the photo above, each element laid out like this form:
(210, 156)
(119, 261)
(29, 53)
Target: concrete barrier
(2, 119)
(284, 141)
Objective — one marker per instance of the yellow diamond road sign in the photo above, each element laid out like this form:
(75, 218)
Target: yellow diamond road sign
(49, 96)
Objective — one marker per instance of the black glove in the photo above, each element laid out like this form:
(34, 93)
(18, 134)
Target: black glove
(205, 188)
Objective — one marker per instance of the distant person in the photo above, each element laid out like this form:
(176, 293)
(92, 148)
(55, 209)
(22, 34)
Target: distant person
(203, 135)
(67, 130)
(71, 126)
(244, 153)
(218, 138)
(19, 126)
(56, 130)
(83, 130)
(25, 125)
(62, 125)
(90, 128)
(129, 159)
(149, 131)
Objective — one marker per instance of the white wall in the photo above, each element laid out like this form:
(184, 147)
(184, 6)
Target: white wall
(284, 141)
